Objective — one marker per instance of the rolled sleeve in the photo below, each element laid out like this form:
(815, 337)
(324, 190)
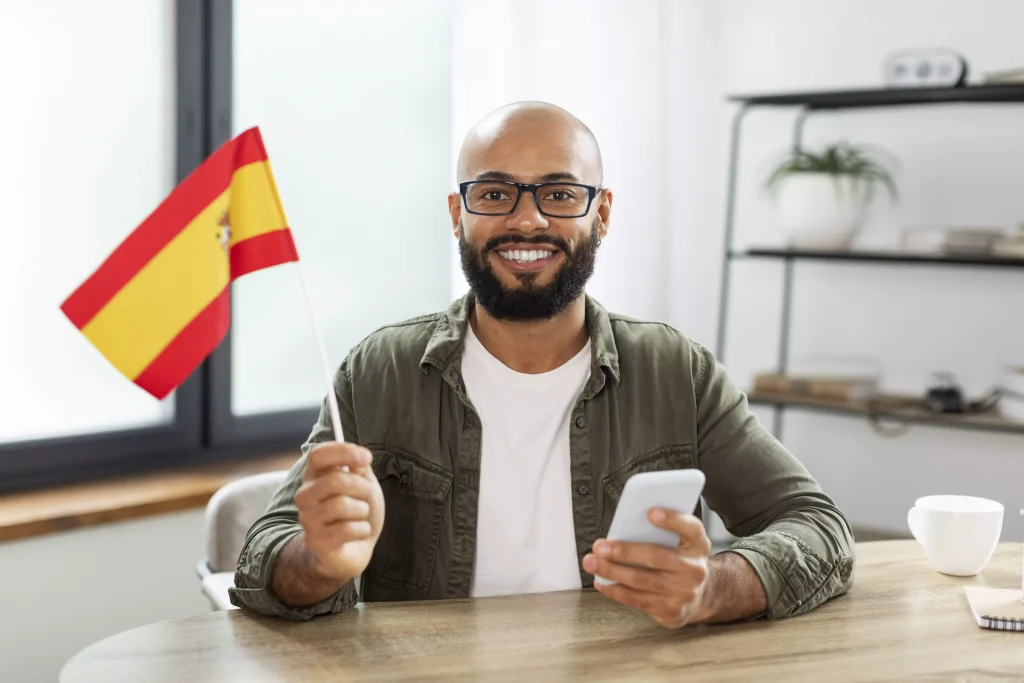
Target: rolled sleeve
(795, 578)
(253, 577)
(793, 535)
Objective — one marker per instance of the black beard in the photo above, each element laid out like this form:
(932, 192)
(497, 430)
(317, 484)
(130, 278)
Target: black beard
(529, 301)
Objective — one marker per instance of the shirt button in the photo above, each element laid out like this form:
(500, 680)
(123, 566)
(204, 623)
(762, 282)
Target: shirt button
(581, 421)
(405, 478)
(584, 489)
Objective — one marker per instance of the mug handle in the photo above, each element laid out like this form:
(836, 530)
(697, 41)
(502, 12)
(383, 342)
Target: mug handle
(912, 521)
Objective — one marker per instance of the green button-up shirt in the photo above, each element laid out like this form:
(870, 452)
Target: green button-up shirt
(655, 400)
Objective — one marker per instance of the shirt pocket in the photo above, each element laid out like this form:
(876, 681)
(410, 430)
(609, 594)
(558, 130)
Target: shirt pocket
(674, 457)
(415, 491)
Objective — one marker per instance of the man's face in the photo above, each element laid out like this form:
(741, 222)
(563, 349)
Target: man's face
(528, 297)
(527, 265)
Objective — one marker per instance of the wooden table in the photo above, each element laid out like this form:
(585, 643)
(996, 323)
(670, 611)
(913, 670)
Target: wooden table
(901, 621)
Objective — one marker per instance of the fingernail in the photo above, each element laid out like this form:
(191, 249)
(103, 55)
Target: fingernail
(658, 516)
(603, 549)
(589, 563)
(363, 456)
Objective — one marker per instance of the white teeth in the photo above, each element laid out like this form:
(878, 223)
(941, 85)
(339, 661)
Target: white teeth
(524, 256)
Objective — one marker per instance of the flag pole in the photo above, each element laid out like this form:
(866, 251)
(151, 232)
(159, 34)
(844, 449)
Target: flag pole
(332, 398)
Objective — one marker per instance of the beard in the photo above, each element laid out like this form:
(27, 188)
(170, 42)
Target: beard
(529, 301)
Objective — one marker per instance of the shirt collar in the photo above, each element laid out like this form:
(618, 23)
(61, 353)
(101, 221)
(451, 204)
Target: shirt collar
(445, 343)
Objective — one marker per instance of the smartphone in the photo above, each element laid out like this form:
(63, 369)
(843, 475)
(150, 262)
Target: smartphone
(677, 490)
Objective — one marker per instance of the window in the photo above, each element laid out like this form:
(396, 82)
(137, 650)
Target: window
(83, 175)
(117, 102)
(354, 102)
(91, 149)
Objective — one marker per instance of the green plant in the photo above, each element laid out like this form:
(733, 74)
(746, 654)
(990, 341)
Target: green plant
(840, 159)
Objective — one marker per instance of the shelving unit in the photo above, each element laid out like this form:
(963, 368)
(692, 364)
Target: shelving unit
(886, 408)
(898, 257)
(807, 103)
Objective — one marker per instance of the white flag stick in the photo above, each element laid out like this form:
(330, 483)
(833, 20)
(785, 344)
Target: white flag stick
(332, 399)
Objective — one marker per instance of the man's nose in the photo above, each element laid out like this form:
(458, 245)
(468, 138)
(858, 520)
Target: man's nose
(527, 216)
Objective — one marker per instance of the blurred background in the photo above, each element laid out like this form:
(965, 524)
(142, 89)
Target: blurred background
(363, 105)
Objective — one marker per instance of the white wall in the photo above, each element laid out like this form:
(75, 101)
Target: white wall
(958, 165)
(62, 592)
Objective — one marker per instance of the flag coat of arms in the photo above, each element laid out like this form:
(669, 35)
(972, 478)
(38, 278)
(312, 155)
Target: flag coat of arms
(160, 303)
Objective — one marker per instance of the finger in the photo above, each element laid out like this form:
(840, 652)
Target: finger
(334, 536)
(640, 554)
(333, 510)
(672, 611)
(647, 580)
(330, 455)
(690, 529)
(663, 609)
(330, 484)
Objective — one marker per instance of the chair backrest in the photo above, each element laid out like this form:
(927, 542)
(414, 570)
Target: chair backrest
(232, 511)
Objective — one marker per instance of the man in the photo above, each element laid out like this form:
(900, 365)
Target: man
(487, 445)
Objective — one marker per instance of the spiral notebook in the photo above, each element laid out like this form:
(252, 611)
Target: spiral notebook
(997, 608)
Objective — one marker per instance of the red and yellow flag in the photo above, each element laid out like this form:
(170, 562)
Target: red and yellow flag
(159, 304)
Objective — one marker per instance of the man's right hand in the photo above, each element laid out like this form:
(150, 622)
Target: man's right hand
(341, 512)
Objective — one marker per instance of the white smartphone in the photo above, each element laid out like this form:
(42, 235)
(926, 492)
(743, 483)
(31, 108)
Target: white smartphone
(677, 490)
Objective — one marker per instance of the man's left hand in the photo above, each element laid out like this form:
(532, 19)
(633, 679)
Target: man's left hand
(666, 583)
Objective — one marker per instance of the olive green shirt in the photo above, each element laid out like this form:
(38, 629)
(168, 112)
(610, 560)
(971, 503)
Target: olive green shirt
(655, 400)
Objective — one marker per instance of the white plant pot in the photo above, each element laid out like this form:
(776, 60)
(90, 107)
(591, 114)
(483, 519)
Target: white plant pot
(821, 211)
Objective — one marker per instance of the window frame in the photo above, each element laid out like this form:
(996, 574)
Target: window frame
(227, 430)
(202, 32)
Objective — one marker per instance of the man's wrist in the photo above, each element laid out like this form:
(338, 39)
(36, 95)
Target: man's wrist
(313, 567)
(298, 578)
(709, 597)
(731, 591)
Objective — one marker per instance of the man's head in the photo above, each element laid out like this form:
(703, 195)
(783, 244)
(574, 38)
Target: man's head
(527, 254)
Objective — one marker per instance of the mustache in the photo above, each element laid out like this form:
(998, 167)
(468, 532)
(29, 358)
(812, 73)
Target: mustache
(550, 240)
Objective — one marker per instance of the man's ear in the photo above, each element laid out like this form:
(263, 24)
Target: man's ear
(455, 211)
(604, 212)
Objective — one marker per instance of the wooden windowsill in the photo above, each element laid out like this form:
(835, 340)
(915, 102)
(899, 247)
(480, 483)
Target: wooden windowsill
(35, 513)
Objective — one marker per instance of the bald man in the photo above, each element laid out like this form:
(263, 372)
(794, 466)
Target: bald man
(487, 445)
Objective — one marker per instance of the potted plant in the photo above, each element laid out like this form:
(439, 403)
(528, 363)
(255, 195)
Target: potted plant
(823, 197)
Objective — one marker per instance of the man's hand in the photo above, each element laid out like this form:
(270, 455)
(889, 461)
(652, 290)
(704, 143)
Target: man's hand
(669, 584)
(341, 512)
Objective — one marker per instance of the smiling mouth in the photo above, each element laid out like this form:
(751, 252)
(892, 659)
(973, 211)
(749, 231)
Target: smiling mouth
(526, 256)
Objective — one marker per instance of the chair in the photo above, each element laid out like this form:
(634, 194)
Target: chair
(230, 513)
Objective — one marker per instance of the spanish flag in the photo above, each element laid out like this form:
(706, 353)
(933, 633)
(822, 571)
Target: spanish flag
(160, 303)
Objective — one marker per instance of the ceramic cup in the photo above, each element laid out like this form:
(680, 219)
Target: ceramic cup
(958, 533)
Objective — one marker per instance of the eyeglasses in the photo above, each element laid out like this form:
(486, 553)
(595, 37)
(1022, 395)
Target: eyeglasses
(499, 198)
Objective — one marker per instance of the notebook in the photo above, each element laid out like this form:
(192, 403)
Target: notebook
(998, 608)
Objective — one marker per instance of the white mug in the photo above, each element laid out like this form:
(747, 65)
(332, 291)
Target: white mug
(958, 533)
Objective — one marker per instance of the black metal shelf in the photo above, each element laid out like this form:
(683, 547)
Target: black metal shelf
(896, 409)
(807, 103)
(886, 97)
(904, 257)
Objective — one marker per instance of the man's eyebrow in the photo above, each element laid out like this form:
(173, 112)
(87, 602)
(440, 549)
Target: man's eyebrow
(561, 176)
(496, 175)
(558, 177)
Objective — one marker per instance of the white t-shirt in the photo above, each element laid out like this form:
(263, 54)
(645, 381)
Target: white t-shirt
(525, 541)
